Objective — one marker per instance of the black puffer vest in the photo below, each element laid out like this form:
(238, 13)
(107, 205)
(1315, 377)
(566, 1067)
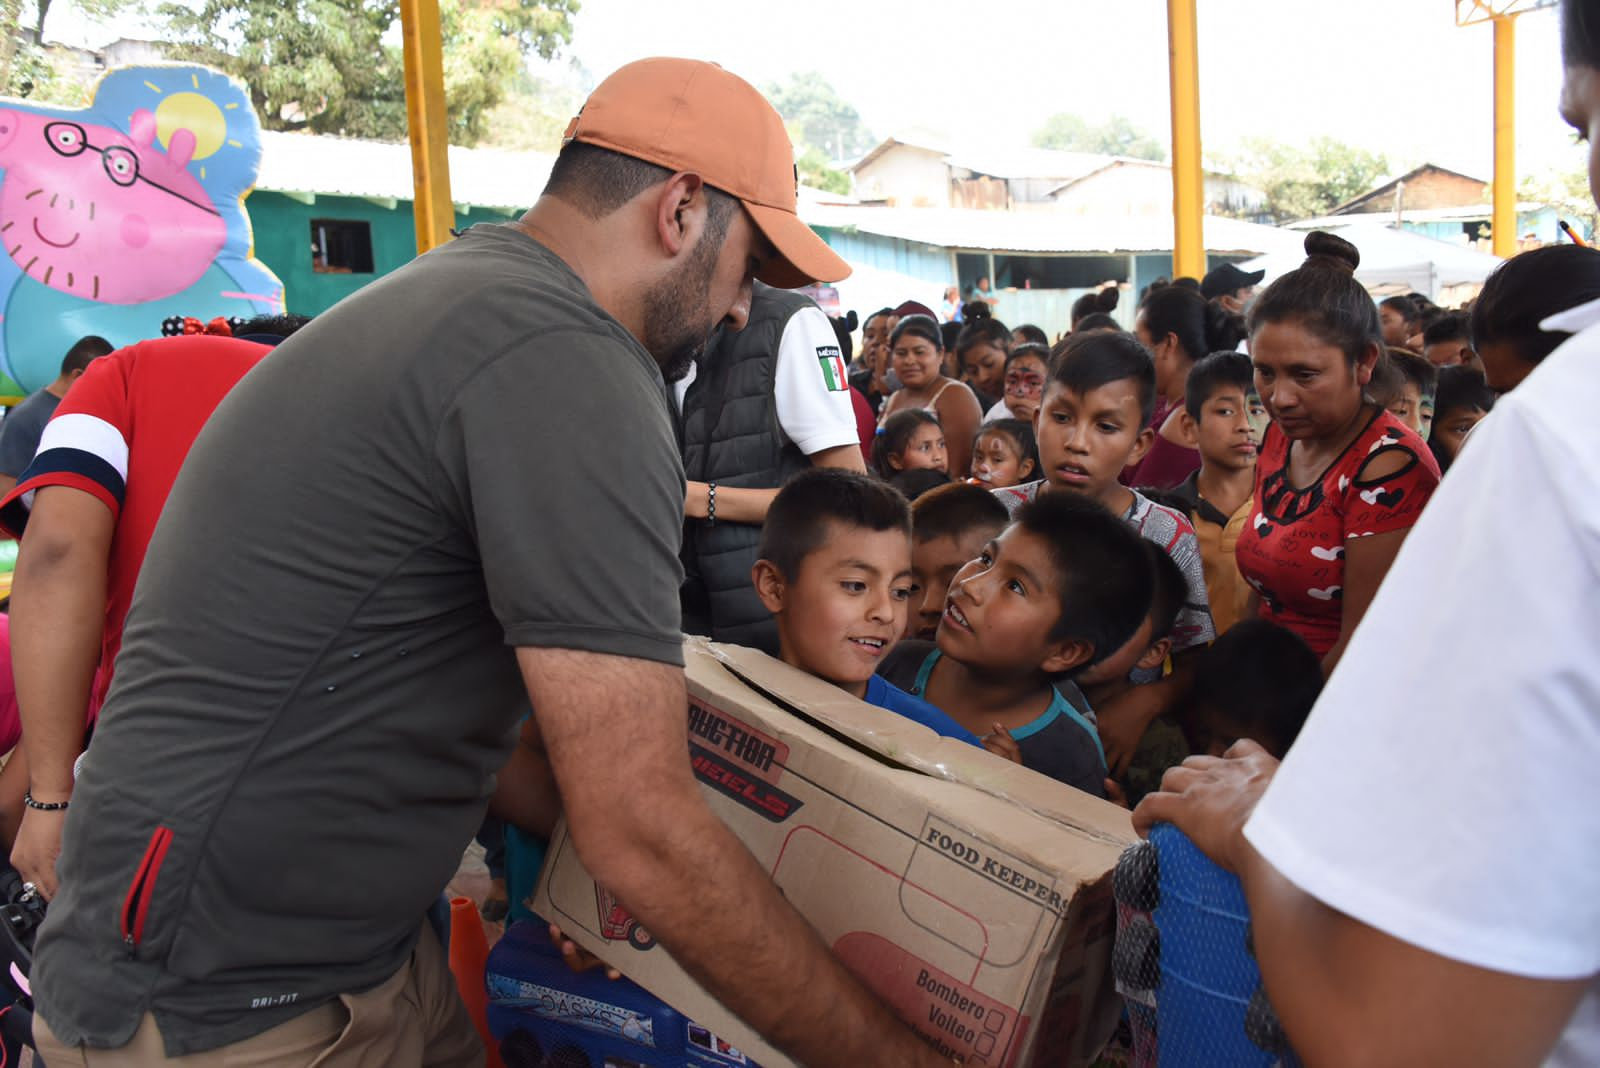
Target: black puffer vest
(729, 435)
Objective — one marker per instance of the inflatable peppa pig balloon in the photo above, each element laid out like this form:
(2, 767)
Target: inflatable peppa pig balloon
(119, 215)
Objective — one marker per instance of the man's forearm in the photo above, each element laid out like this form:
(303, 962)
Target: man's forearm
(643, 829)
(765, 963)
(1347, 993)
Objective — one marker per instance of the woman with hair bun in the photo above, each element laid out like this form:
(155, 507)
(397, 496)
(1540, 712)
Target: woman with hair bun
(1178, 326)
(1340, 481)
(1102, 301)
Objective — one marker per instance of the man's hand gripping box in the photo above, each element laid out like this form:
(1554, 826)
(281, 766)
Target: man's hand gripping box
(973, 895)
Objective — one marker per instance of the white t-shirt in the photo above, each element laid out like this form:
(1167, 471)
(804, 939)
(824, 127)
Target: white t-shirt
(813, 395)
(1446, 789)
(999, 411)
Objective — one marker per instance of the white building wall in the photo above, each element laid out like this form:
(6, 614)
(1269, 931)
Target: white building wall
(910, 177)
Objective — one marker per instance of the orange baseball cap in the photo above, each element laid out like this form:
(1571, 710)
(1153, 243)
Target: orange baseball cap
(687, 115)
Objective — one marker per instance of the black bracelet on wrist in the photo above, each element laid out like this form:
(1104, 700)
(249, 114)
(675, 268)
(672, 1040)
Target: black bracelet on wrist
(711, 503)
(41, 806)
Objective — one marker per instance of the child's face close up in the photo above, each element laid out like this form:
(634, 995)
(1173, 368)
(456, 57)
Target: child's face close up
(917, 361)
(1086, 439)
(924, 450)
(983, 368)
(1024, 386)
(934, 563)
(844, 611)
(1003, 606)
(1413, 408)
(1259, 419)
(1224, 435)
(997, 462)
(1451, 427)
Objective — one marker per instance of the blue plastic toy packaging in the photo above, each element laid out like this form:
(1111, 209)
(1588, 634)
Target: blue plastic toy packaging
(1185, 962)
(541, 1012)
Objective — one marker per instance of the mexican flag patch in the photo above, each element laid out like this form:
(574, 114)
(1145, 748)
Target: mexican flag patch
(833, 374)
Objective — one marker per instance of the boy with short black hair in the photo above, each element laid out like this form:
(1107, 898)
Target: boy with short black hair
(1413, 403)
(835, 572)
(950, 525)
(1057, 591)
(1463, 400)
(1140, 659)
(1447, 342)
(1150, 644)
(1218, 497)
(1259, 681)
(1094, 422)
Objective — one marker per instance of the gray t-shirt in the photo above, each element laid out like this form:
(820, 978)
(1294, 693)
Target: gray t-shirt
(317, 681)
(21, 430)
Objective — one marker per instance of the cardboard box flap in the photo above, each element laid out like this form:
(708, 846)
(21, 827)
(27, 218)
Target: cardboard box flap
(895, 740)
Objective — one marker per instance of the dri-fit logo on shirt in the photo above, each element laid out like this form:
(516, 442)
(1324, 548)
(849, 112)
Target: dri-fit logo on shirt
(832, 361)
(272, 1001)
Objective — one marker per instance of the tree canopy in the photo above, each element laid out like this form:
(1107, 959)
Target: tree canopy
(819, 118)
(1117, 136)
(324, 66)
(1302, 183)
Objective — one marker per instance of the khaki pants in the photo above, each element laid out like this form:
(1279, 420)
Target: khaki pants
(414, 1018)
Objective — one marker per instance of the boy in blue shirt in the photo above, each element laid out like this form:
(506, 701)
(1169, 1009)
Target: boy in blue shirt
(835, 572)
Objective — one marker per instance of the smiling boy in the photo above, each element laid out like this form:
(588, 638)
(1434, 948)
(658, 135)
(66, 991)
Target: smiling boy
(835, 572)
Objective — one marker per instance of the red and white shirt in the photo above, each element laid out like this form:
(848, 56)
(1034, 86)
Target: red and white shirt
(121, 435)
(1292, 548)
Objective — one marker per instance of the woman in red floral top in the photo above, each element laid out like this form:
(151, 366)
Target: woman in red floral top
(1340, 481)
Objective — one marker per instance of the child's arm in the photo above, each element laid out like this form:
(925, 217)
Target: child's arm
(525, 791)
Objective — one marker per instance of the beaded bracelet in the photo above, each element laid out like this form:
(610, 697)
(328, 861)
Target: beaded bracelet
(41, 806)
(711, 503)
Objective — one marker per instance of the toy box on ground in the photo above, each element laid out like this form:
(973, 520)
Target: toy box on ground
(971, 894)
(543, 1013)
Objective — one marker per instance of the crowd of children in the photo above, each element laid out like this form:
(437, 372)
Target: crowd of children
(1099, 556)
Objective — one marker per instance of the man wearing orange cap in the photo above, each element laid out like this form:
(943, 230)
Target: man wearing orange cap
(368, 567)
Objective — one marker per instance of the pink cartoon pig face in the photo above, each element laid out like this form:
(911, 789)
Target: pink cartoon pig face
(101, 215)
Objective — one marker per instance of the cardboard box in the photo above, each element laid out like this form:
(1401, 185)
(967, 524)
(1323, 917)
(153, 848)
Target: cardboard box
(971, 894)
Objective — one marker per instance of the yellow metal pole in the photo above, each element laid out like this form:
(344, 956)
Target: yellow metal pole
(430, 141)
(1504, 222)
(1188, 180)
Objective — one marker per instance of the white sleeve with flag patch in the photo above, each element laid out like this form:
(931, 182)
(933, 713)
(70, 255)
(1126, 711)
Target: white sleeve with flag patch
(813, 393)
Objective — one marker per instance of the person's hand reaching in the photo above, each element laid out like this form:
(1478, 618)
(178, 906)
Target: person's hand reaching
(1210, 799)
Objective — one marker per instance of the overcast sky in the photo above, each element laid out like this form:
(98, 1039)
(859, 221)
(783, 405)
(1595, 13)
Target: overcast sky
(1395, 76)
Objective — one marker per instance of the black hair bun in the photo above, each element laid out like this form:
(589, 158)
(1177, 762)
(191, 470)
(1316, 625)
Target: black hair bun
(1326, 250)
(1106, 299)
